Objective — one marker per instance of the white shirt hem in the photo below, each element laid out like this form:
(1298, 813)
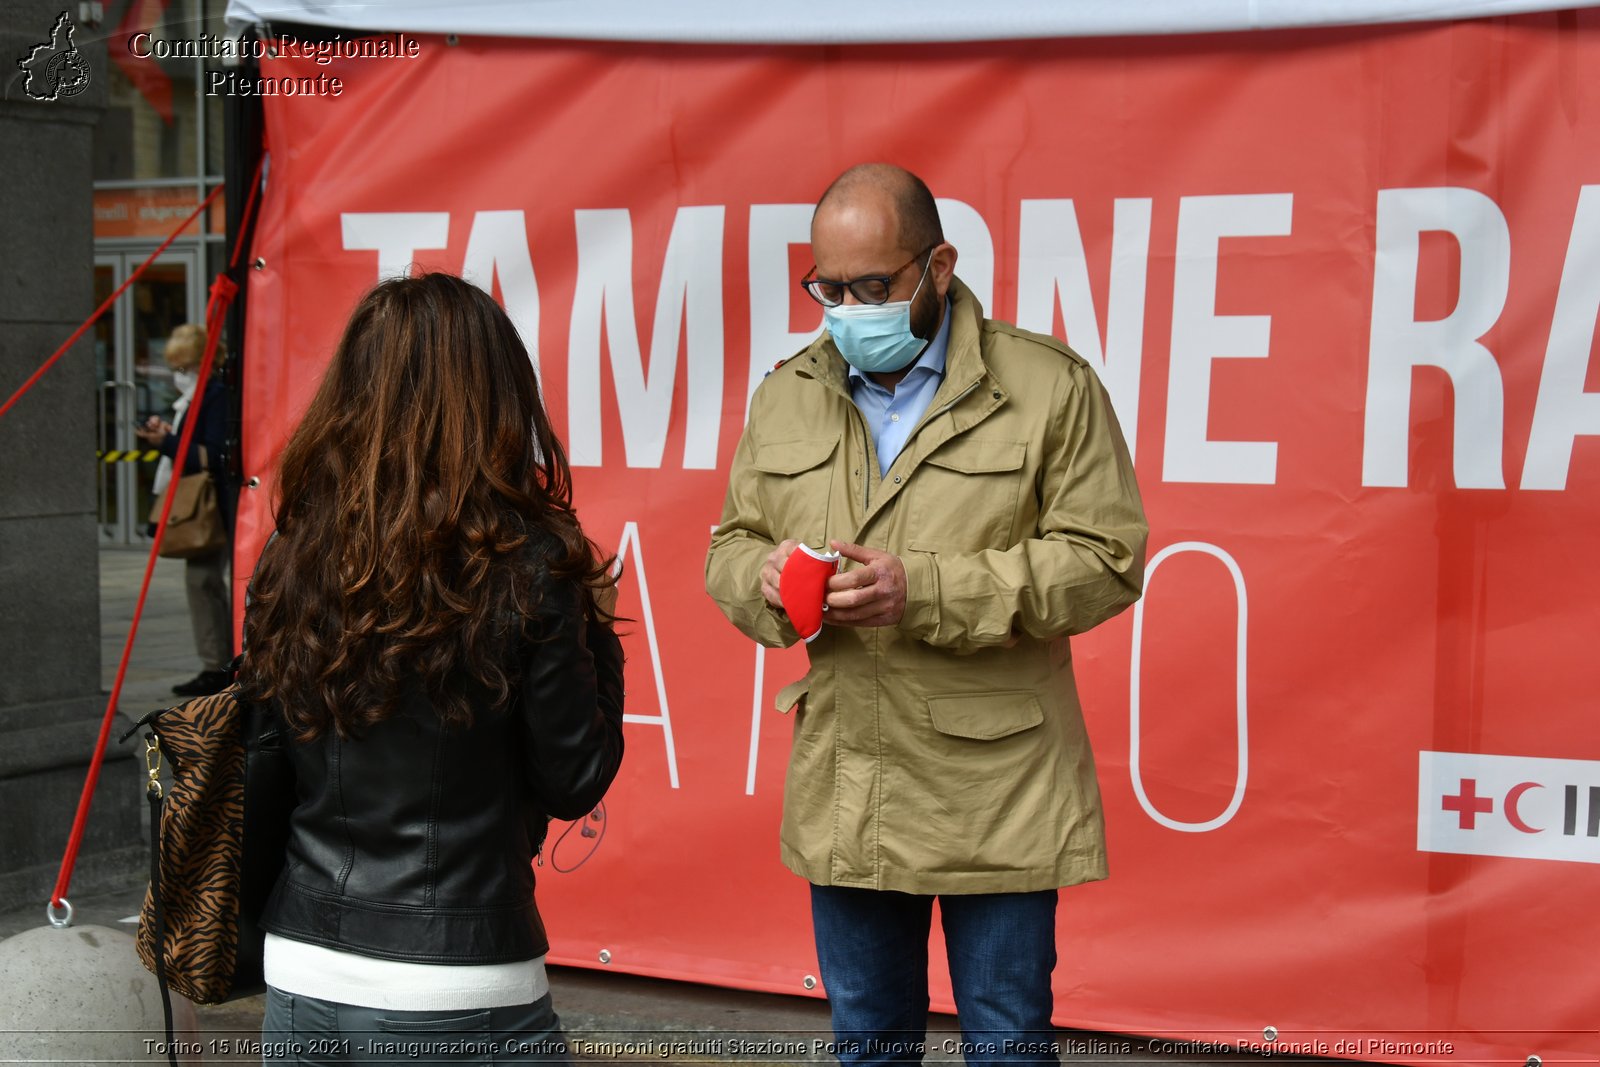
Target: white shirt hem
(309, 970)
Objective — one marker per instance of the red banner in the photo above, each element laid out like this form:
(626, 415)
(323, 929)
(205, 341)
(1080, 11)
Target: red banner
(1342, 286)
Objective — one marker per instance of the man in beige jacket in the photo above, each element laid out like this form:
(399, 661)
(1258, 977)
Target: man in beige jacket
(975, 480)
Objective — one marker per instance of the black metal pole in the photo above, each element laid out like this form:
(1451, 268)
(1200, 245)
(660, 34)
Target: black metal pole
(243, 146)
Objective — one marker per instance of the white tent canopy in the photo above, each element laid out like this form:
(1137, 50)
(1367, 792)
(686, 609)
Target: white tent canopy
(883, 22)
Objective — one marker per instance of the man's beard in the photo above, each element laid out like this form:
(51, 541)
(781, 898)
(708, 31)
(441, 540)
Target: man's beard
(926, 314)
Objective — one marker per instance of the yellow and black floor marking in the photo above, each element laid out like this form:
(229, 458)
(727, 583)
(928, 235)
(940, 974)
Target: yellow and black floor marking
(132, 455)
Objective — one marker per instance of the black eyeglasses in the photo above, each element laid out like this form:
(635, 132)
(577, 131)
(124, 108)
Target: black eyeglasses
(872, 289)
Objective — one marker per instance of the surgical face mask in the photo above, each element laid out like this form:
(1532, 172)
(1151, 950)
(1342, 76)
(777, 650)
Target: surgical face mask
(877, 338)
(184, 380)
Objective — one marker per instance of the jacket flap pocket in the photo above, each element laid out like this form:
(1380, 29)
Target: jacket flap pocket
(980, 455)
(985, 716)
(792, 457)
(790, 696)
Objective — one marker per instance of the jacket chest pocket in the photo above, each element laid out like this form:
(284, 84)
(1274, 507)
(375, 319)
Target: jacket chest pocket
(964, 496)
(795, 486)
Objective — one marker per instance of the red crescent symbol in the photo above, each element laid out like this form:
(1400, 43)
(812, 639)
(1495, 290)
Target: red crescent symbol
(1512, 816)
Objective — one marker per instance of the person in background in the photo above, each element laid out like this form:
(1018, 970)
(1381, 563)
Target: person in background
(973, 477)
(436, 630)
(205, 577)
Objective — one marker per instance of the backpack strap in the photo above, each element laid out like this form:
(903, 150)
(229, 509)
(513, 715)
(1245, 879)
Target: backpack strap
(154, 792)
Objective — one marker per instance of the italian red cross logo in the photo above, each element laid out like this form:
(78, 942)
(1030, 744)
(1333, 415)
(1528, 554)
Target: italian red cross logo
(1467, 804)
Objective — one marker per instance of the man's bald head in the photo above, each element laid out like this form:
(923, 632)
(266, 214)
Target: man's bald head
(916, 214)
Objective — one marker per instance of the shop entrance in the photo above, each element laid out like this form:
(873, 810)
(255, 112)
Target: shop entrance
(133, 380)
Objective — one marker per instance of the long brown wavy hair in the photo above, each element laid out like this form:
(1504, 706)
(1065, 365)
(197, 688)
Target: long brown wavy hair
(422, 506)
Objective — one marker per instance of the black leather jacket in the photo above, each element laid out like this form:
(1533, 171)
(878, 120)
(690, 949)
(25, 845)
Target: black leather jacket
(414, 842)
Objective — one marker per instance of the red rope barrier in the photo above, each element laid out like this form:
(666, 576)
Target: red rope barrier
(112, 299)
(246, 214)
(223, 290)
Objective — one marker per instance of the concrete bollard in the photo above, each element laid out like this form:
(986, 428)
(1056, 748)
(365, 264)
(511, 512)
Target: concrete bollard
(79, 994)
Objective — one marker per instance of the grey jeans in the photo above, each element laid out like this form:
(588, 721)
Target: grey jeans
(205, 579)
(305, 1030)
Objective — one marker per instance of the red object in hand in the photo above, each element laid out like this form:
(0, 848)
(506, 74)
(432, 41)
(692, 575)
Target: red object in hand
(803, 588)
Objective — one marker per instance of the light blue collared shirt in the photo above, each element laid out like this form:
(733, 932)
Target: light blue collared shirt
(892, 416)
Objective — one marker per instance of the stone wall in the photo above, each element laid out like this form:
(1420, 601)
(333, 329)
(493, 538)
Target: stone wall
(50, 699)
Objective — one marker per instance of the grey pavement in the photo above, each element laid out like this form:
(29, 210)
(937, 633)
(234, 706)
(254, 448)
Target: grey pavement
(608, 1016)
(163, 654)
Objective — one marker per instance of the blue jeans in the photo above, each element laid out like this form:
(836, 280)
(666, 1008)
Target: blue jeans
(307, 1031)
(873, 948)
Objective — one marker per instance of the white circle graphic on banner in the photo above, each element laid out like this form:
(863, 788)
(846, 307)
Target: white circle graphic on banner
(1242, 771)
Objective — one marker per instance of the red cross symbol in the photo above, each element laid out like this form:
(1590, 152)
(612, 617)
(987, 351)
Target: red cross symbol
(1467, 804)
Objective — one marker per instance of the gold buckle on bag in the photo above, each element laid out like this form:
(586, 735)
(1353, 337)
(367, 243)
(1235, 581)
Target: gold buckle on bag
(152, 764)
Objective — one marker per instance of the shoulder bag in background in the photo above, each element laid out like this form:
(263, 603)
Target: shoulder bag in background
(194, 528)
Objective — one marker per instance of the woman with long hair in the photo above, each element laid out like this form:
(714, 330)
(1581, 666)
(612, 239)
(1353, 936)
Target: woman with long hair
(435, 628)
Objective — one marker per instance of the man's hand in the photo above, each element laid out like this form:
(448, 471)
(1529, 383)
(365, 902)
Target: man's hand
(772, 568)
(873, 594)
